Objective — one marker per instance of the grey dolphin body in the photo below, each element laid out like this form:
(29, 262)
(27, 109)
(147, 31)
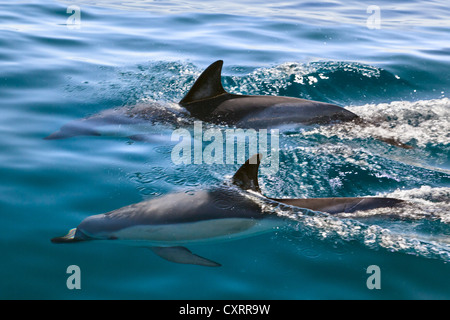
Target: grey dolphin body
(222, 212)
(207, 100)
(142, 113)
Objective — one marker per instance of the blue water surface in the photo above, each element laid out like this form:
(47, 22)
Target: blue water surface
(64, 60)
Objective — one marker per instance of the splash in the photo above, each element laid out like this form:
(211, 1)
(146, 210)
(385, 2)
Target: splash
(422, 122)
(337, 229)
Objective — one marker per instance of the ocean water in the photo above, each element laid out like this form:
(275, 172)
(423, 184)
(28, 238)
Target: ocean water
(65, 60)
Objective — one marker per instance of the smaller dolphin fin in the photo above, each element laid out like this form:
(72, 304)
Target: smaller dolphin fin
(247, 176)
(180, 254)
(208, 85)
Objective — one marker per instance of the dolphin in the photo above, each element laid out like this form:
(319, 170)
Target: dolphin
(208, 101)
(165, 224)
(153, 113)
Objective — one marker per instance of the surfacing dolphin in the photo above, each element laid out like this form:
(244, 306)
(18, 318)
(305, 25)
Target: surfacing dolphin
(208, 101)
(165, 224)
(152, 113)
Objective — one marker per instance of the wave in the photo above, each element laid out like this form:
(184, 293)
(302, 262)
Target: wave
(421, 203)
(420, 124)
(411, 232)
(339, 82)
(290, 11)
(336, 82)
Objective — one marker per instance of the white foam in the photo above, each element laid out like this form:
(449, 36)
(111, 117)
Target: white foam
(422, 122)
(395, 235)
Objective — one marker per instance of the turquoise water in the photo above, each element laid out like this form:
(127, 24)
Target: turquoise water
(124, 53)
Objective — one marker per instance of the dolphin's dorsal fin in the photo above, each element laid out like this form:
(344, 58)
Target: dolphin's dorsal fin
(208, 85)
(247, 176)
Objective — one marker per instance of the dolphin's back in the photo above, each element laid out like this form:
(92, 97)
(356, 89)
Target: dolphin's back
(270, 111)
(342, 205)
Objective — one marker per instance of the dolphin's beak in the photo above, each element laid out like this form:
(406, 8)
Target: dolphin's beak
(68, 133)
(56, 135)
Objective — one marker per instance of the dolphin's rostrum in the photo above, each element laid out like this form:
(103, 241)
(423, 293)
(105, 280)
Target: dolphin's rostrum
(223, 212)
